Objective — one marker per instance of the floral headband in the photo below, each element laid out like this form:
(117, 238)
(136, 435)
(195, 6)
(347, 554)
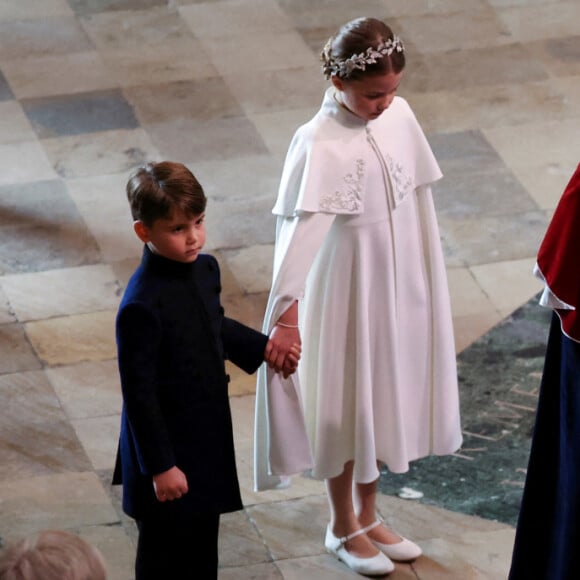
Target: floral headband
(344, 68)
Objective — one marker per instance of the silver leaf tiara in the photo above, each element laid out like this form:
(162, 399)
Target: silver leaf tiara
(344, 68)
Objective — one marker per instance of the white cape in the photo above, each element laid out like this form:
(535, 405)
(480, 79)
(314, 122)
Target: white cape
(327, 174)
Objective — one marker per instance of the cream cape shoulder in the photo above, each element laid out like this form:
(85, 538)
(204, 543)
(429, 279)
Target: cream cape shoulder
(327, 161)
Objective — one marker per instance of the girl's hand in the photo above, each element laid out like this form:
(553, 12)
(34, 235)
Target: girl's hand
(282, 339)
(170, 484)
(291, 361)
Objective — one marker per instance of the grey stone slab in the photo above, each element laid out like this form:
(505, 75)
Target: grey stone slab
(473, 194)
(458, 151)
(82, 113)
(95, 6)
(41, 229)
(17, 354)
(292, 528)
(37, 37)
(5, 92)
(239, 541)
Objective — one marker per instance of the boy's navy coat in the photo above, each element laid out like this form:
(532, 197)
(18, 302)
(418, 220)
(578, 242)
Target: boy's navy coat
(173, 339)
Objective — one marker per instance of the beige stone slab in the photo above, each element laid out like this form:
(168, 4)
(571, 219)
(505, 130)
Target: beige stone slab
(532, 22)
(138, 65)
(17, 354)
(6, 313)
(72, 339)
(508, 284)
(34, 9)
(24, 161)
(105, 152)
(196, 100)
(116, 547)
(252, 267)
(542, 155)
(65, 291)
(141, 28)
(102, 202)
(486, 239)
(281, 90)
(477, 555)
(398, 8)
(253, 572)
(48, 75)
(301, 487)
(99, 437)
(229, 56)
(278, 127)
(467, 296)
(327, 567)
(422, 522)
(14, 126)
(87, 389)
(500, 105)
(468, 328)
(455, 30)
(236, 18)
(35, 434)
(67, 500)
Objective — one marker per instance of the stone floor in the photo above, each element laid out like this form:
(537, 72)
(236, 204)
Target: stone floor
(90, 88)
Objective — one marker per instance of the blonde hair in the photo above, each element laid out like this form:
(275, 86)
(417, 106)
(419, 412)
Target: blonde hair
(52, 555)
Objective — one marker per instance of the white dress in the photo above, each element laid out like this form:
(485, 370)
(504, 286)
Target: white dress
(358, 245)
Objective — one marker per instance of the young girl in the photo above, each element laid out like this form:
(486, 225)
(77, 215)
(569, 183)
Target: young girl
(359, 274)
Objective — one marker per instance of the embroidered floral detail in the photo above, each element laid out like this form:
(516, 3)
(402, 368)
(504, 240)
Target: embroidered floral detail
(402, 183)
(349, 199)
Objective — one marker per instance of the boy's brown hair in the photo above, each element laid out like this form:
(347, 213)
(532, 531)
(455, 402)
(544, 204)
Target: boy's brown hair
(156, 190)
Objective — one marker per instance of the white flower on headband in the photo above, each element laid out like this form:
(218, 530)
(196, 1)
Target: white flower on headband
(344, 68)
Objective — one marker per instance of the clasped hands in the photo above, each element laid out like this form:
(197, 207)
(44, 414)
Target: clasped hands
(283, 350)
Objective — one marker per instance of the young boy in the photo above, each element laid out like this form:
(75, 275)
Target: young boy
(176, 452)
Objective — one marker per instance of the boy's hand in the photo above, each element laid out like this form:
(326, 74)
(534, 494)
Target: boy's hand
(170, 484)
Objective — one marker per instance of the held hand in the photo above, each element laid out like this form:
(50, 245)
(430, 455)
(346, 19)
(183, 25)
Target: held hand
(291, 361)
(170, 484)
(282, 340)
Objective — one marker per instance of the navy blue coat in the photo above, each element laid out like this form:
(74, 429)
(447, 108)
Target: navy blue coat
(173, 340)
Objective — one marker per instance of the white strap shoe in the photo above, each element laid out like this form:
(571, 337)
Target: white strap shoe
(403, 551)
(378, 565)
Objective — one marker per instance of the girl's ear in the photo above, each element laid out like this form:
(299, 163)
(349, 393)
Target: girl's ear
(337, 82)
(141, 230)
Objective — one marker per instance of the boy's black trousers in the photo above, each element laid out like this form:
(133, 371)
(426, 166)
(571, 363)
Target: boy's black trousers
(169, 551)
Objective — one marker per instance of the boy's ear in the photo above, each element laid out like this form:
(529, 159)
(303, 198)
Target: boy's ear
(141, 230)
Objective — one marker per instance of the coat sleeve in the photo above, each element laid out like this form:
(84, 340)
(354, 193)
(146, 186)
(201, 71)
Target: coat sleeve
(138, 336)
(243, 345)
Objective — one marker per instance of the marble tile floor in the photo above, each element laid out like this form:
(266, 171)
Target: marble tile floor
(91, 88)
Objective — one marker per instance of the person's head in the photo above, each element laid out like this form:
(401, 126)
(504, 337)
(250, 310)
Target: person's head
(168, 208)
(52, 555)
(364, 61)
